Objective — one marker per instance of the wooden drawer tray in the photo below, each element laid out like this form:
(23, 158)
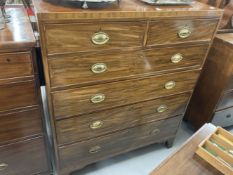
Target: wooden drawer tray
(217, 150)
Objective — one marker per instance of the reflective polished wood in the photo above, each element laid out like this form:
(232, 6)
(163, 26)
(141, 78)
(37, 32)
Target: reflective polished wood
(23, 144)
(114, 76)
(185, 161)
(213, 93)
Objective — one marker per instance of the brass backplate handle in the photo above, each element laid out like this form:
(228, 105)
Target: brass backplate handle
(170, 85)
(95, 149)
(184, 32)
(176, 58)
(162, 108)
(155, 131)
(98, 68)
(100, 38)
(98, 98)
(3, 166)
(96, 124)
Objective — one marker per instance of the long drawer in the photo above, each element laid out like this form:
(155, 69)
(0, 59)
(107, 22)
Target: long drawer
(104, 96)
(94, 68)
(223, 118)
(77, 155)
(179, 31)
(79, 37)
(23, 158)
(20, 124)
(104, 122)
(17, 95)
(15, 65)
(226, 101)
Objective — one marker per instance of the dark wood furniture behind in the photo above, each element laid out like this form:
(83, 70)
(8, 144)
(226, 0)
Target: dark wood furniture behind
(22, 136)
(212, 100)
(185, 161)
(119, 78)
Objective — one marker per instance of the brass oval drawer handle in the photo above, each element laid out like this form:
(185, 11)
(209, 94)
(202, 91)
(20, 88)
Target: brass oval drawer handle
(95, 149)
(170, 85)
(176, 58)
(3, 166)
(155, 131)
(184, 33)
(100, 38)
(99, 68)
(98, 98)
(162, 108)
(96, 124)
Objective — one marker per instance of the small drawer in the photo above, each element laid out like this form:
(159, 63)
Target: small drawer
(65, 38)
(226, 101)
(15, 65)
(105, 96)
(75, 156)
(70, 70)
(24, 158)
(179, 31)
(104, 122)
(223, 118)
(17, 95)
(20, 124)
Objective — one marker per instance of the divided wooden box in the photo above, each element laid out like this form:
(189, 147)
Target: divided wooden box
(217, 149)
(119, 78)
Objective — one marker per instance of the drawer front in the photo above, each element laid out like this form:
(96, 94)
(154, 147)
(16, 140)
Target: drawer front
(63, 38)
(17, 95)
(69, 70)
(23, 158)
(179, 31)
(75, 156)
(226, 101)
(20, 124)
(104, 96)
(15, 65)
(230, 84)
(104, 122)
(223, 118)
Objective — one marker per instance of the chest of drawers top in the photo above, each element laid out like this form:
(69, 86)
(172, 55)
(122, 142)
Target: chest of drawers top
(18, 33)
(125, 10)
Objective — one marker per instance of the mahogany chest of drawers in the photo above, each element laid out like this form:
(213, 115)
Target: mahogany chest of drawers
(22, 138)
(212, 99)
(119, 78)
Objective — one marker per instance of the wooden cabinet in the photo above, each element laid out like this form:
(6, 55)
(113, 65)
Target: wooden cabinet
(23, 145)
(212, 100)
(119, 78)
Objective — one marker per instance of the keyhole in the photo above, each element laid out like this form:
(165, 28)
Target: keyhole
(8, 60)
(228, 116)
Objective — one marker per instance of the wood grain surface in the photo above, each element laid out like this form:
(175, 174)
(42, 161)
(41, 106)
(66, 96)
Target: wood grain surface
(76, 69)
(78, 101)
(17, 95)
(201, 30)
(77, 37)
(16, 65)
(216, 74)
(77, 155)
(132, 9)
(185, 161)
(18, 125)
(79, 128)
(24, 157)
(18, 33)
